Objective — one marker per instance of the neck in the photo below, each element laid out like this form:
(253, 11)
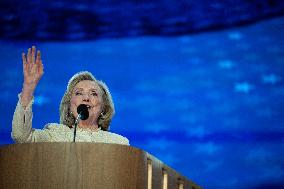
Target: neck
(87, 125)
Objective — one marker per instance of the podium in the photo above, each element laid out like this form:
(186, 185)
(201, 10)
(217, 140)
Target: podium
(85, 165)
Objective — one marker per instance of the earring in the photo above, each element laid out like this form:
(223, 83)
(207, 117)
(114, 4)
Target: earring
(69, 114)
(102, 115)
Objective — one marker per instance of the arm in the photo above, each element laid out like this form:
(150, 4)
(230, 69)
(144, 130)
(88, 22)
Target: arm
(22, 119)
(22, 122)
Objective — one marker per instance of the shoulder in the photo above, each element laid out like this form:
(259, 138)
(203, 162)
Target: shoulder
(56, 126)
(115, 138)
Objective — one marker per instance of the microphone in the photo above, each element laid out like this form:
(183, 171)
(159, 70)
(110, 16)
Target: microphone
(83, 114)
(83, 111)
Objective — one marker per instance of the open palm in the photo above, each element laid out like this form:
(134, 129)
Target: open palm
(32, 67)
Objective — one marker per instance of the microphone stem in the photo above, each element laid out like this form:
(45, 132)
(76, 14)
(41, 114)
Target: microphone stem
(75, 126)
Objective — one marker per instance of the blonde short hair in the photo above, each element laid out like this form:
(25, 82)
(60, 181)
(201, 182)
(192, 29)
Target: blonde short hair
(104, 119)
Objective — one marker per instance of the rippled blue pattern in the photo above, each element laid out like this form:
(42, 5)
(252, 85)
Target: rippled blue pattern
(209, 105)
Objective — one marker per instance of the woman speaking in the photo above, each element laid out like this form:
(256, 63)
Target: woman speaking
(83, 90)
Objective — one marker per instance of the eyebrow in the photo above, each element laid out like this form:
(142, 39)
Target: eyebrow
(80, 89)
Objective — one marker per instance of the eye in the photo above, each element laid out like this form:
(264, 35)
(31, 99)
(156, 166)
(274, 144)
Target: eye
(94, 94)
(78, 93)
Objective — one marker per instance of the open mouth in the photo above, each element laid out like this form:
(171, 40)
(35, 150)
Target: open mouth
(88, 106)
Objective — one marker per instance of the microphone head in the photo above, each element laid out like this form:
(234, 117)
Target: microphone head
(82, 109)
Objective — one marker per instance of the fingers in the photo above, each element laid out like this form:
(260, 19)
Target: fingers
(33, 54)
(38, 57)
(24, 60)
(32, 66)
(40, 68)
(32, 61)
(29, 58)
(39, 63)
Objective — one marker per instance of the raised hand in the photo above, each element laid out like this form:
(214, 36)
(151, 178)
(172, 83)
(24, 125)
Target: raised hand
(33, 71)
(32, 67)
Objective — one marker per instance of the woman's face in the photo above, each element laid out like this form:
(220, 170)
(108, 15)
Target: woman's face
(89, 93)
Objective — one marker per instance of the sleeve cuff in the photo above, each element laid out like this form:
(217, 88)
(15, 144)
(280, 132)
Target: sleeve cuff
(29, 106)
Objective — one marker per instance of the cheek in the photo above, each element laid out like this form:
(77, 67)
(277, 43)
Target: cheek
(98, 104)
(73, 105)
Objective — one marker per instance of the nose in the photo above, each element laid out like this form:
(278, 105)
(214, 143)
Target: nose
(86, 97)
